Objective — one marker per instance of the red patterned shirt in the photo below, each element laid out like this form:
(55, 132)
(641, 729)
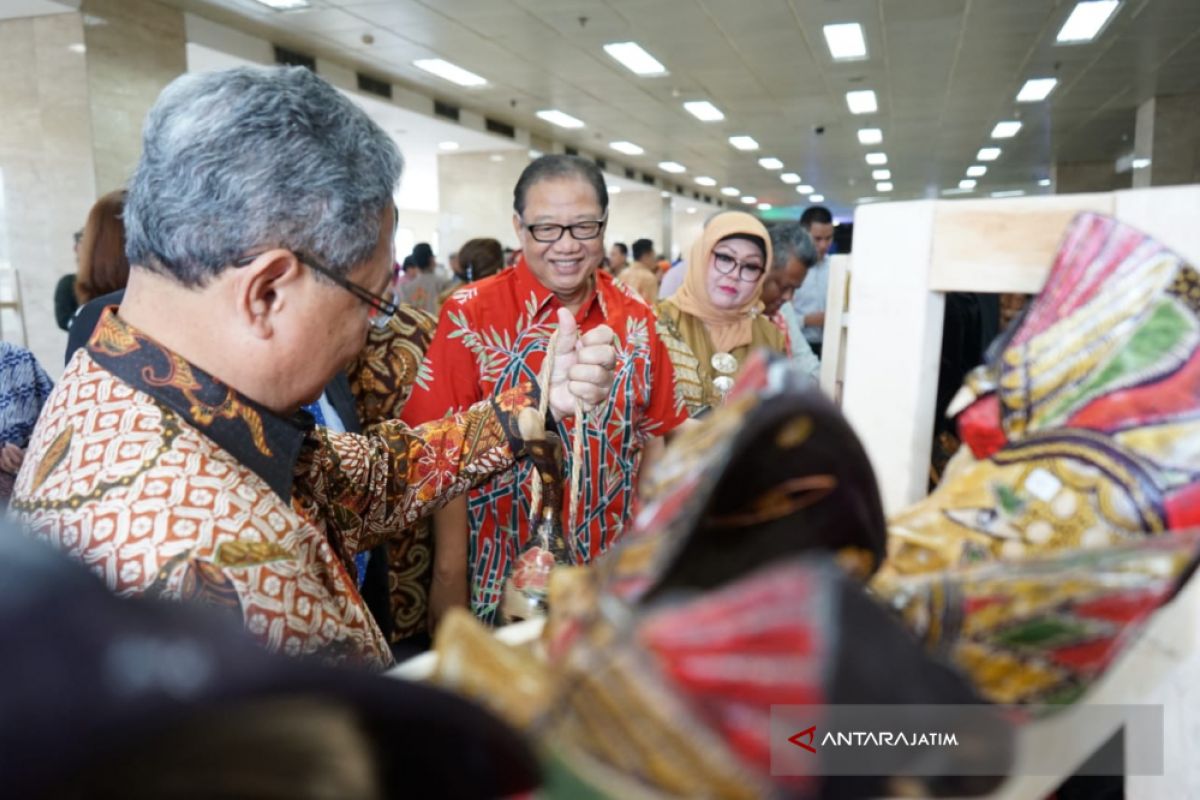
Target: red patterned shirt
(493, 335)
(167, 482)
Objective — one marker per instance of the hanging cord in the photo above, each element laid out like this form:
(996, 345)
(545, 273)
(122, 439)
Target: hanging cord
(576, 446)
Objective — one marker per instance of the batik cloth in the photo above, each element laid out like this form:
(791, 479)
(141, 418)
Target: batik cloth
(491, 336)
(24, 387)
(166, 482)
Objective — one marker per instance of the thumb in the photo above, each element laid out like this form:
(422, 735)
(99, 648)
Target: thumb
(568, 332)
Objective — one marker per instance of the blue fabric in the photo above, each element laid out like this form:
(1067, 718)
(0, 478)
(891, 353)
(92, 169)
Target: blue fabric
(24, 387)
(326, 416)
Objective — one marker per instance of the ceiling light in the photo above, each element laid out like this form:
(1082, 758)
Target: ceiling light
(704, 111)
(1140, 163)
(743, 142)
(976, 171)
(284, 5)
(957, 191)
(845, 41)
(883, 186)
(704, 180)
(988, 153)
(749, 199)
(559, 118)
(817, 198)
(862, 101)
(1036, 89)
(635, 59)
(447, 146)
(535, 153)
(671, 166)
(1006, 130)
(1044, 182)
(496, 157)
(628, 148)
(870, 136)
(789, 177)
(1087, 19)
(804, 188)
(876, 159)
(77, 47)
(770, 163)
(1011, 193)
(881, 174)
(729, 191)
(691, 210)
(967, 184)
(614, 189)
(664, 193)
(764, 206)
(450, 72)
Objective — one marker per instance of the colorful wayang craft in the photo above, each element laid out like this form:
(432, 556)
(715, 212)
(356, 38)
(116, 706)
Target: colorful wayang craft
(1037, 561)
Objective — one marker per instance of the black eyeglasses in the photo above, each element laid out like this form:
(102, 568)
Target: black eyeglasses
(746, 272)
(547, 232)
(380, 309)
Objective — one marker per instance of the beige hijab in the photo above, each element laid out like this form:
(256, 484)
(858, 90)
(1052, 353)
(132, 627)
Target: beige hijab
(728, 328)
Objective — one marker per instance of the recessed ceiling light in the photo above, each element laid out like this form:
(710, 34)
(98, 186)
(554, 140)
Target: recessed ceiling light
(450, 72)
(671, 166)
(77, 47)
(976, 171)
(789, 177)
(628, 148)
(614, 189)
(535, 153)
(691, 210)
(1006, 130)
(729, 191)
(764, 206)
(1140, 163)
(988, 153)
(804, 188)
(496, 157)
(956, 191)
(1036, 89)
(1086, 21)
(560, 118)
(881, 174)
(635, 59)
(704, 180)
(704, 111)
(876, 159)
(862, 101)
(284, 5)
(883, 186)
(870, 136)
(770, 163)
(743, 142)
(846, 41)
(967, 184)
(1011, 193)
(1044, 182)
(749, 199)
(447, 146)
(664, 193)
(817, 198)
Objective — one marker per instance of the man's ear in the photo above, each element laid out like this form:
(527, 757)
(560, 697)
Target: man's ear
(263, 288)
(518, 229)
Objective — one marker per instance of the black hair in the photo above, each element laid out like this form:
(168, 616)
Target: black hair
(753, 239)
(621, 246)
(641, 247)
(815, 214)
(559, 166)
(422, 256)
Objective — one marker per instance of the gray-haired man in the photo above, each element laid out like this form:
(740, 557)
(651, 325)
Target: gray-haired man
(171, 458)
(794, 252)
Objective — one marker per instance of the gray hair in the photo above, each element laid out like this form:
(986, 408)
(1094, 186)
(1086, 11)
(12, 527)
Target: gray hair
(789, 240)
(253, 158)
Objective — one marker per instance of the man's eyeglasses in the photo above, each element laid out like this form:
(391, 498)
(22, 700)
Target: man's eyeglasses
(746, 272)
(547, 232)
(380, 309)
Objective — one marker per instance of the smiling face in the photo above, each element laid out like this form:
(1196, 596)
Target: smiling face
(729, 292)
(564, 267)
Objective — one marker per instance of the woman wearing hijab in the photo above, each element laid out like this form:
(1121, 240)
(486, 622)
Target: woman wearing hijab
(715, 318)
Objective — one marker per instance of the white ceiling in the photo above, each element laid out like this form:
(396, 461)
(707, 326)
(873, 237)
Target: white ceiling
(945, 72)
(12, 9)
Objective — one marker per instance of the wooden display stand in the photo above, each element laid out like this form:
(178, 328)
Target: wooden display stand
(906, 255)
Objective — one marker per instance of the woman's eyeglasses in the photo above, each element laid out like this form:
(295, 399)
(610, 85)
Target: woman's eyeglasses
(547, 232)
(746, 272)
(380, 309)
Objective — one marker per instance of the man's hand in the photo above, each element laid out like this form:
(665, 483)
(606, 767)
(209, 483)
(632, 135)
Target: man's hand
(11, 457)
(583, 366)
